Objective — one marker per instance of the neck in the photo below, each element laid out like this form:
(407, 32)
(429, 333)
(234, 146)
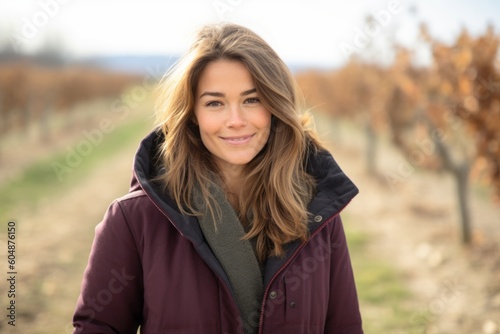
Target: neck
(232, 184)
(232, 178)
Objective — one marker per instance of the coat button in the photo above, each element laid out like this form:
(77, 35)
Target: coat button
(292, 304)
(318, 218)
(273, 294)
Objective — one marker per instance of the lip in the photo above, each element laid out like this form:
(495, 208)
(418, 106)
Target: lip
(237, 140)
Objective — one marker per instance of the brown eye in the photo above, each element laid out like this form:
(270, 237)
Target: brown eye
(213, 104)
(252, 100)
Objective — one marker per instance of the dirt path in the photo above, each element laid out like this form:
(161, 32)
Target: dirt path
(54, 244)
(414, 225)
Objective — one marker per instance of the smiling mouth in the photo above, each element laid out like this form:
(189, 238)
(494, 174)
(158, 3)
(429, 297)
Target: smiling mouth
(237, 140)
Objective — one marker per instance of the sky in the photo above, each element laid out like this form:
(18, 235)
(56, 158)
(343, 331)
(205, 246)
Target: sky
(323, 33)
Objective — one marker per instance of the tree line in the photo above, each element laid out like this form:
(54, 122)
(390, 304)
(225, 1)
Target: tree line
(443, 117)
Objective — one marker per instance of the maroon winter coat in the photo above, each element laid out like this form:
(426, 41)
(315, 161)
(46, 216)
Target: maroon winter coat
(151, 267)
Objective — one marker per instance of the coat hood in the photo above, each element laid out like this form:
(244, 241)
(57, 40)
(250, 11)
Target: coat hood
(334, 191)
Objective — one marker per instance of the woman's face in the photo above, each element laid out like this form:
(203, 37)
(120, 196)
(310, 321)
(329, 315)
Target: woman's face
(234, 125)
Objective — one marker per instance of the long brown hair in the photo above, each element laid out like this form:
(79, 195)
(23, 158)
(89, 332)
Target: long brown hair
(275, 179)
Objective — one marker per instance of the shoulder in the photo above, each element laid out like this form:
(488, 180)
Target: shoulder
(134, 209)
(135, 201)
(136, 221)
(132, 195)
(132, 198)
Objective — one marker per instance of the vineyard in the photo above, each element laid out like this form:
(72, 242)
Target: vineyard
(421, 142)
(33, 94)
(443, 118)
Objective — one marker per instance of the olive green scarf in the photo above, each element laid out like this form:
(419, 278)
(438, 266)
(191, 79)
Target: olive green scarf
(236, 255)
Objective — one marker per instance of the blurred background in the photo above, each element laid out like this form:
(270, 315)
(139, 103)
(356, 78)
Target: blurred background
(406, 95)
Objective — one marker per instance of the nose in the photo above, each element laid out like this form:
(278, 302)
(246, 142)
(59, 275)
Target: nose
(236, 117)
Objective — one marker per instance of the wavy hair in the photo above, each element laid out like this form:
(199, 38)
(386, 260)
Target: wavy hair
(276, 178)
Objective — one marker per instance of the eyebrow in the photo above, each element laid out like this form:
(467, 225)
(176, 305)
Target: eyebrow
(218, 94)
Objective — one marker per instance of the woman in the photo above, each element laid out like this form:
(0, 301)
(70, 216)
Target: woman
(232, 221)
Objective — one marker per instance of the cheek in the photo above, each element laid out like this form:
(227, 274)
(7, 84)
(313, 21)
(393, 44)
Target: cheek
(265, 122)
(207, 125)
(267, 135)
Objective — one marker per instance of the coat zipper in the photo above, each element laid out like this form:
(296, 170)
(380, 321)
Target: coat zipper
(290, 259)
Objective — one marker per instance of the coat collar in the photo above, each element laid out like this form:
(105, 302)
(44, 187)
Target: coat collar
(334, 191)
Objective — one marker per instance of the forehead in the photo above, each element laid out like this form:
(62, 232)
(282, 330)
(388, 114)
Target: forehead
(225, 75)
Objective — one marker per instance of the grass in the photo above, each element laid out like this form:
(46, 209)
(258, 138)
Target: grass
(40, 180)
(384, 299)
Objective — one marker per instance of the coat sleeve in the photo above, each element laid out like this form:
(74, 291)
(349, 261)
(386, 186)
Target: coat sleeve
(343, 309)
(111, 296)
